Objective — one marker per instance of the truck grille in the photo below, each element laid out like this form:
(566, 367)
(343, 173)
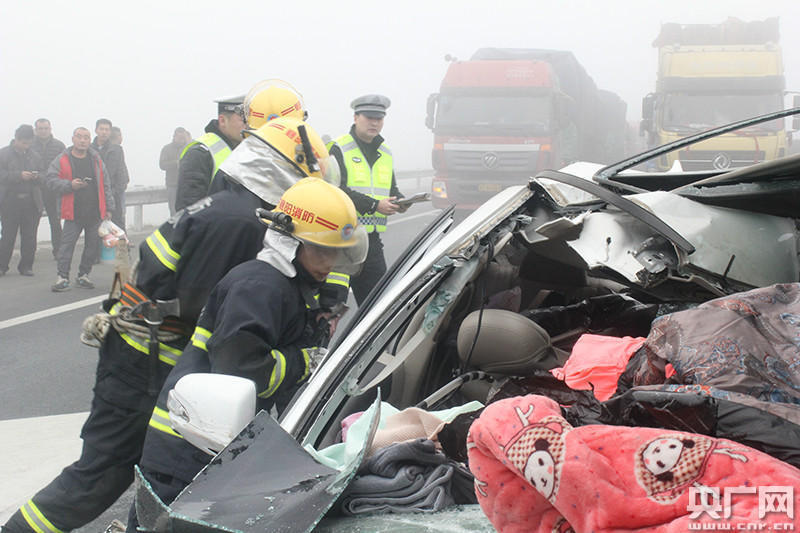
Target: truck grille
(491, 161)
(719, 160)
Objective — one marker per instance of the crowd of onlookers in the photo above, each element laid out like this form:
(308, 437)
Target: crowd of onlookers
(78, 186)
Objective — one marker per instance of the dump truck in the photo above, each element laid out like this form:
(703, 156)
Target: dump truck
(507, 113)
(710, 75)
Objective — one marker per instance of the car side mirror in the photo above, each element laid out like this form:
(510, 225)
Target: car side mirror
(431, 110)
(209, 410)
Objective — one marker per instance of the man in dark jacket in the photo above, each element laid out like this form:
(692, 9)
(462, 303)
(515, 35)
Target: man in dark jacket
(20, 199)
(168, 162)
(117, 171)
(48, 148)
(258, 321)
(79, 176)
(181, 262)
(202, 157)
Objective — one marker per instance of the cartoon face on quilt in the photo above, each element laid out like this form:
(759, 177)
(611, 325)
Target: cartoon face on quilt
(537, 451)
(666, 466)
(540, 469)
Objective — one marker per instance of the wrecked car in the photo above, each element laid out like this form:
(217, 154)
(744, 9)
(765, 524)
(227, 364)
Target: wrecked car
(500, 298)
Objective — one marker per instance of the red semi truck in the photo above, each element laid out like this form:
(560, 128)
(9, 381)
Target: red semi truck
(505, 114)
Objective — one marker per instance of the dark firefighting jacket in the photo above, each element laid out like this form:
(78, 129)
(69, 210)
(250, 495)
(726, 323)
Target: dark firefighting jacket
(183, 259)
(253, 326)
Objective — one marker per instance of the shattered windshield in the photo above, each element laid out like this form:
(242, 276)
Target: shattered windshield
(518, 114)
(686, 112)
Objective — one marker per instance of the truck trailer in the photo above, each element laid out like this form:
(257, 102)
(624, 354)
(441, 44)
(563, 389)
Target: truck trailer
(507, 113)
(710, 75)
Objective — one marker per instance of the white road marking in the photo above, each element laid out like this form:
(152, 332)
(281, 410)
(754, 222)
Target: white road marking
(50, 312)
(32, 452)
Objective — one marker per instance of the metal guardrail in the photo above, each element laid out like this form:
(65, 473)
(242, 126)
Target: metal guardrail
(137, 197)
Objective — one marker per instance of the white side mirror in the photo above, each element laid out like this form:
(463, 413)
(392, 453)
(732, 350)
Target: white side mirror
(209, 410)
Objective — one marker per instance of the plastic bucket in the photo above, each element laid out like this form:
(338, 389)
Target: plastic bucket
(108, 253)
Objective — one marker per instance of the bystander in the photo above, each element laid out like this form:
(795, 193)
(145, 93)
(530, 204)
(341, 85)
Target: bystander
(20, 199)
(48, 148)
(114, 159)
(79, 175)
(168, 162)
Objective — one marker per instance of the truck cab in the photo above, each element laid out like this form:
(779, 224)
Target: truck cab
(709, 75)
(493, 121)
(506, 114)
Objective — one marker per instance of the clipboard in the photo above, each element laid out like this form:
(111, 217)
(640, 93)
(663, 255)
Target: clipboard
(419, 197)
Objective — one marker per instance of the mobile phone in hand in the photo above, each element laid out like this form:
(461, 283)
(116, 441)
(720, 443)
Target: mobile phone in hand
(87, 180)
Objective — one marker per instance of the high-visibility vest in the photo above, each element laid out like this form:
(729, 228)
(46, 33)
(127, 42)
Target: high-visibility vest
(217, 147)
(375, 182)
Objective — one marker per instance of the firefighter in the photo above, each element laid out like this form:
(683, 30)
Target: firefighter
(178, 266)
(367, 170)
(202, 157)
(258, 322)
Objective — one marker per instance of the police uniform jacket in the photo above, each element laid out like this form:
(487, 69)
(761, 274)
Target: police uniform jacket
(253, 326)
(363, 202)
(195, 170)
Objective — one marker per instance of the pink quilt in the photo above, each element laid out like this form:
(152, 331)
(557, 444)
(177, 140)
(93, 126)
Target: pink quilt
(535, 472)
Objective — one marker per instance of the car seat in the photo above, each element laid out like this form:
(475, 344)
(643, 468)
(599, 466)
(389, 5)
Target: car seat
(503, 343)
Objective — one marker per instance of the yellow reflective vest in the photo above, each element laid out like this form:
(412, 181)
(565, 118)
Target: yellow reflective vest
(375, 182)
(217, 147)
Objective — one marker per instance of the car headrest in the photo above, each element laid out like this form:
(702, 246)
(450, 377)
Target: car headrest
(508, 344)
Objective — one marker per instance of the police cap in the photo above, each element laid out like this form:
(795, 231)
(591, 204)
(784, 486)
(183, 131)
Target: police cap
(230, 105)
(371, 105)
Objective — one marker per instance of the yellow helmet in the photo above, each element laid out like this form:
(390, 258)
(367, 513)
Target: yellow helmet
(320, 214)
(301, 145)
(270, 99)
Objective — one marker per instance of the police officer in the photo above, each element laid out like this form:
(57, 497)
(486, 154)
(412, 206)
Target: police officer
(202, 157)
(179, 264)
(258, 320)
(367, 170)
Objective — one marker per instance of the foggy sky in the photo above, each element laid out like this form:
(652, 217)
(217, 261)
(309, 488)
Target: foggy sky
(151, 66)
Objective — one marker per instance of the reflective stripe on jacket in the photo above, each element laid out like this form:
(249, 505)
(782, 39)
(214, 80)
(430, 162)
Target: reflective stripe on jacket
(375, 182)
(217, 147)
(166, 354)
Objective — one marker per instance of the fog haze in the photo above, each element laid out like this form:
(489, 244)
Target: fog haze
(151, 66)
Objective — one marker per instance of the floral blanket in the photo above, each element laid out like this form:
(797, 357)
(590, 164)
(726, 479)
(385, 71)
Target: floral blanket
(534, 472)
(746, 343)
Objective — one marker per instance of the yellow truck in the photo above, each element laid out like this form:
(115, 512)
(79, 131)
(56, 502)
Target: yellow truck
(710, 75)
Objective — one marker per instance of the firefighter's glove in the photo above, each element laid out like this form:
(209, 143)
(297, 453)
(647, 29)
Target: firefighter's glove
(318, 329)
(315, 356)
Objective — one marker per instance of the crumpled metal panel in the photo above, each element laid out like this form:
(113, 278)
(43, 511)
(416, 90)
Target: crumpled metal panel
(262, 481)
(763, 247)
